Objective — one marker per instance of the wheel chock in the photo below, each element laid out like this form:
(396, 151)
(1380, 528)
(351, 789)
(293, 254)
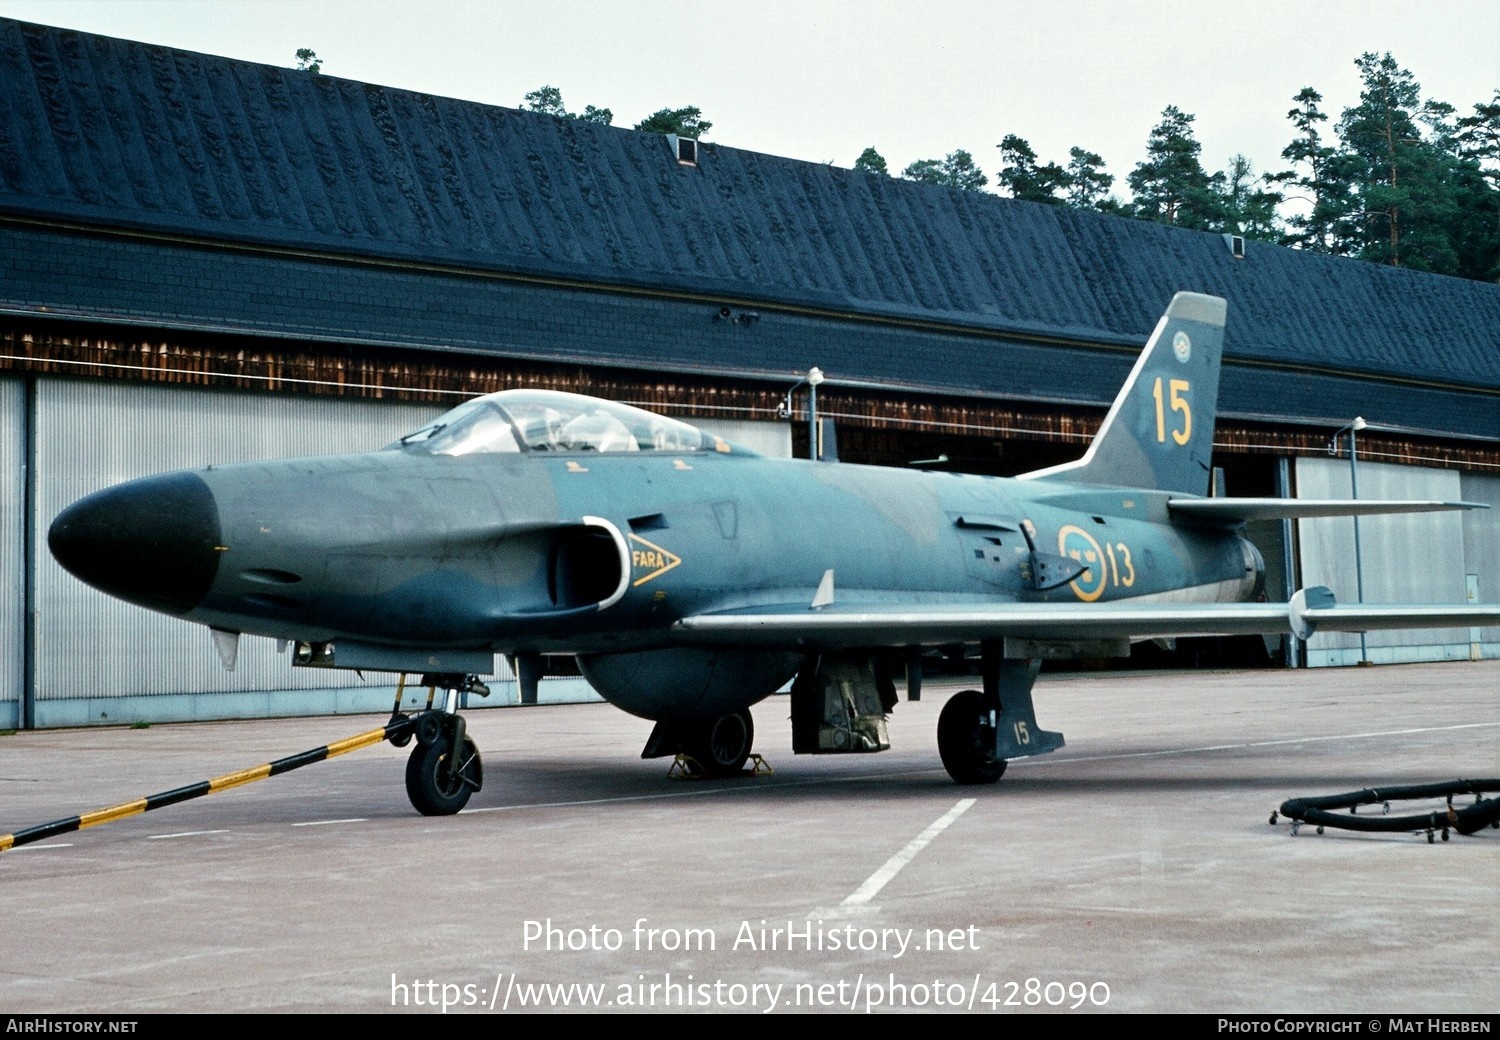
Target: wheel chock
(686, 767)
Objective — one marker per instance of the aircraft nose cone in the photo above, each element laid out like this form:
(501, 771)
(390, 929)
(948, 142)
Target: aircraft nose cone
(151, 542)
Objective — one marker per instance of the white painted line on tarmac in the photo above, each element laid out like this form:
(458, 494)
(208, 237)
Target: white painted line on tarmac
(1039, 760)
(182, 834)
(329, 823)
(38, 848)
(893, 866)
(1284, 742)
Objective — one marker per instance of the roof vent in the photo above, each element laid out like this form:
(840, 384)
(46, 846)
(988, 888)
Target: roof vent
(685, 148)
(1236, 245)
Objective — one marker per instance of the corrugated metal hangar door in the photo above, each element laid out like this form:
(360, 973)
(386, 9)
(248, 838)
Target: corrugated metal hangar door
(12, 549)
(98, 660)
(1404, 558)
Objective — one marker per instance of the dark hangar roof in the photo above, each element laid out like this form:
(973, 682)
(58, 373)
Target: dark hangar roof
(106, 132)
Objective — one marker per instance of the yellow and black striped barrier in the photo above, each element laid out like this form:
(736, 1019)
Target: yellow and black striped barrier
(198, 790)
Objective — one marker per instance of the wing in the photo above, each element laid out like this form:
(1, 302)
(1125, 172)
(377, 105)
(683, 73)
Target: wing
(1290, 508)
(834, 626)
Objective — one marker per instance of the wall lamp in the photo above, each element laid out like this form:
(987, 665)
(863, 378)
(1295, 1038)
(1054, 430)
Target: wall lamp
(812, 380)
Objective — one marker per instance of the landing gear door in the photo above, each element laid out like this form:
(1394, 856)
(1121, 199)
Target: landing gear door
(839, 706)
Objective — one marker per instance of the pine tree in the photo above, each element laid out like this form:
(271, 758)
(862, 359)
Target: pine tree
(956, 170)
(1246, 202)
(1025, 178)
(1478, 243)
(1171, 187)
(1403, 183)
(871, 161)
(1088, 184)
(1319, 181)
(684, 122)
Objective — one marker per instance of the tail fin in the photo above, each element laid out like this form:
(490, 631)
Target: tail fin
(1160, 431)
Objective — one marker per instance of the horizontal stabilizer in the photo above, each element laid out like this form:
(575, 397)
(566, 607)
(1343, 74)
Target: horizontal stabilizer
(1292, 508)
(1314, 610)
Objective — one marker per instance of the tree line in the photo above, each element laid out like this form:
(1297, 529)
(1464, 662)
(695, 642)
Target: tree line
(1400, 180)
(684, 122)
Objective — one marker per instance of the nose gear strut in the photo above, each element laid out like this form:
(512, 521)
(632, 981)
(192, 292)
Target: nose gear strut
(444, 768)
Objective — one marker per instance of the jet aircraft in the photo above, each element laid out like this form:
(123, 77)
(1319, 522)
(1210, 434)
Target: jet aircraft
(691, 578)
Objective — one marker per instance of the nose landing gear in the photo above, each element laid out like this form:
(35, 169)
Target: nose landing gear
(438, 781)
(444, 768)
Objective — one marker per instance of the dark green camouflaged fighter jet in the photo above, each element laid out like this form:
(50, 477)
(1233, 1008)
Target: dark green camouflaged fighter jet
(691, 578)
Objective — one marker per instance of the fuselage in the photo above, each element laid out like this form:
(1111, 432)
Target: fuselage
(532, 522)
(592, 552)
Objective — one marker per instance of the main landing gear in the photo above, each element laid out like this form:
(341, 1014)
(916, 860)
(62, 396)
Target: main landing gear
(715, 747)
(966, 740)
(444, 768)
(721, 746)
(979, 729)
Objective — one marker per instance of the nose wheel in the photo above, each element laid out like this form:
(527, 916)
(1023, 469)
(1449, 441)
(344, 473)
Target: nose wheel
(444, 768)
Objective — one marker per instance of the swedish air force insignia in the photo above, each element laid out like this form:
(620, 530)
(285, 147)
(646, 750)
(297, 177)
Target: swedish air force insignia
(649, 560)
(1182, 346)
(1078, 545)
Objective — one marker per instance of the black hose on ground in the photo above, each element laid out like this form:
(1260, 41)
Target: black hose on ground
(1483, 812)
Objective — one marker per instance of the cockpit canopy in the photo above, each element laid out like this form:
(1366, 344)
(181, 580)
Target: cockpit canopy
(547, 420)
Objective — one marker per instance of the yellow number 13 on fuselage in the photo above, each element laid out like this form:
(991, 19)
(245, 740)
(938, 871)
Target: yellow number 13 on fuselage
(1177, 396)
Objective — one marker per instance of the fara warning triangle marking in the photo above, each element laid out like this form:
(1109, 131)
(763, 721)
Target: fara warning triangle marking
(651, 558)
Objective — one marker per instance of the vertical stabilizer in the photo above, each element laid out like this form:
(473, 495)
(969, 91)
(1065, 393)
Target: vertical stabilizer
(1159, 433)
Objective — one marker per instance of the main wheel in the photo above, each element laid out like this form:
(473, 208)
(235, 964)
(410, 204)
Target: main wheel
(962, 739)
(428, 784)
(721, 746)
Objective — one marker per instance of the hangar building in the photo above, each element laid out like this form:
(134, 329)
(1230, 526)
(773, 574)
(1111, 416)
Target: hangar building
(205, 260)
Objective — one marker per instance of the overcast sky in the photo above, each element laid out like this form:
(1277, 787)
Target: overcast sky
(822, 79)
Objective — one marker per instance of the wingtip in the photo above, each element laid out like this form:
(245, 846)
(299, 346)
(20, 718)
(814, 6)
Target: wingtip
(1314, 597)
